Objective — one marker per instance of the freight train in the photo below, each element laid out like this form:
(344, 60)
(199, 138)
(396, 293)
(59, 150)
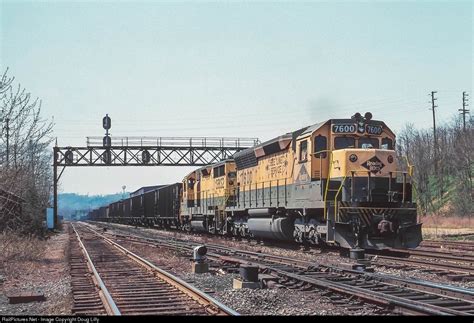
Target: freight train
(337, 182)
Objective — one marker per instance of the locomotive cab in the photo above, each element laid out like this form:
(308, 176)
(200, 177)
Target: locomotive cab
(368, 200)
(207, 192)
(336, 182)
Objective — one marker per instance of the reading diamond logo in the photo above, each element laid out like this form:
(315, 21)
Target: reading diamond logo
(374, 165)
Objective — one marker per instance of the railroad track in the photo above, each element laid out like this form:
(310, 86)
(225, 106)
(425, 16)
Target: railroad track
(109, 279)
(453, 265)
(88, 299)
(448, 245)
(406, 296)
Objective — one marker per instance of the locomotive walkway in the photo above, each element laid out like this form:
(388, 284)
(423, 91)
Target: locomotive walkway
(109, 279)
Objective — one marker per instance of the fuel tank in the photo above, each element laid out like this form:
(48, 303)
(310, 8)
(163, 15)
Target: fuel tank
(268, 228)
(198, 226)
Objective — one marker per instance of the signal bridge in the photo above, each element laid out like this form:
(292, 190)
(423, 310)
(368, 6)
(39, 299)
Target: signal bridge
(151, 151)
(145, 151)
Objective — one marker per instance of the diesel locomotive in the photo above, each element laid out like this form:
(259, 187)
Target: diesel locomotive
(337, 182)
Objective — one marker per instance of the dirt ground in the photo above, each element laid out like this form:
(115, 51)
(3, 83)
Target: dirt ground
(33, 265)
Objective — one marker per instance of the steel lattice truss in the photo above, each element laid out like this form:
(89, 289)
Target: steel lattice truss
(166, 152)
(136, 156)
(145, 151)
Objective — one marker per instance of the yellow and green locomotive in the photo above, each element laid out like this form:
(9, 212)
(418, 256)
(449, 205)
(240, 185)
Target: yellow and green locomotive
(336, 182)
(207, 192)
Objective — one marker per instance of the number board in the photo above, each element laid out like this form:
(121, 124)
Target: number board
(343, 128)
(373, 130)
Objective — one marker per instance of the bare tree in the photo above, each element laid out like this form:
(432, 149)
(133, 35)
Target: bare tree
(24, 155)
(449, 190)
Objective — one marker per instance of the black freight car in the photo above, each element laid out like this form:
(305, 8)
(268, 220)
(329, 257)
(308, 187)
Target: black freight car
(168, 202)
(137, 207)
(103, 213)
(157, 207)
(127, 209)
(93, 215)
(112, 210)
(119, 209)
(115, 210)
(160, 207)
(149, 207)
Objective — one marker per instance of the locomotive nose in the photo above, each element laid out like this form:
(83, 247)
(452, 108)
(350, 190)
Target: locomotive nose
(377, 162)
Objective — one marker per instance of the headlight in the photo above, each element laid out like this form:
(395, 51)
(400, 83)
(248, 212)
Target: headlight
(390, 159)
(353, 158)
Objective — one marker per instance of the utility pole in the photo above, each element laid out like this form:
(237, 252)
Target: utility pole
(464, 111)
(8, 140)
(55, 185)
(433, 106)
(7, 130)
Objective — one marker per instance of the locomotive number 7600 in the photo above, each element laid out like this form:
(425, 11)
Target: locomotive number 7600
(343, 128)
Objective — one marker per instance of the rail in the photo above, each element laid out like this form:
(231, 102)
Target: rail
(110, 304)
(407, 295)
(208, 302)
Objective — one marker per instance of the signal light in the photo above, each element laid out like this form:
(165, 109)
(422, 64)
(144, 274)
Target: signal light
(146, 157)
(357, 116)
(69, 157)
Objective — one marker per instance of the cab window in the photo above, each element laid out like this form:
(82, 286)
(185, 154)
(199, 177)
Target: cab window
(388, 143)
(219, 171)
(368, 143)
(304, 150)
(320, 143)
(344, 142)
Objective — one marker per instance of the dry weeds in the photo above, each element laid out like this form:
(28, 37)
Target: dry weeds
(19, 254)
(435, 227)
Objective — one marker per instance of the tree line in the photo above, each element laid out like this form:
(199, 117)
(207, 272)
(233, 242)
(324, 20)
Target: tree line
(443, 170)
(25, 157)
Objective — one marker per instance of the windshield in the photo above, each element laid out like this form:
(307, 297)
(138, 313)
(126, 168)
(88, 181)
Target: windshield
(368, 143)
(344, 142)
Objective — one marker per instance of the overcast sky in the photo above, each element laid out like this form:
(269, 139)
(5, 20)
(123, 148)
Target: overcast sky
(230, 69)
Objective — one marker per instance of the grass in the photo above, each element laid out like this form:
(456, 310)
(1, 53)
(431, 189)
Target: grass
(435, 227)
(445, 222)
(461, 238)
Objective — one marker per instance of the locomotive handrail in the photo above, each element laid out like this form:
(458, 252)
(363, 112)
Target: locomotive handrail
(339, 190)
(283, 181)
(410, 166)
(327, 184)
(321, 172)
